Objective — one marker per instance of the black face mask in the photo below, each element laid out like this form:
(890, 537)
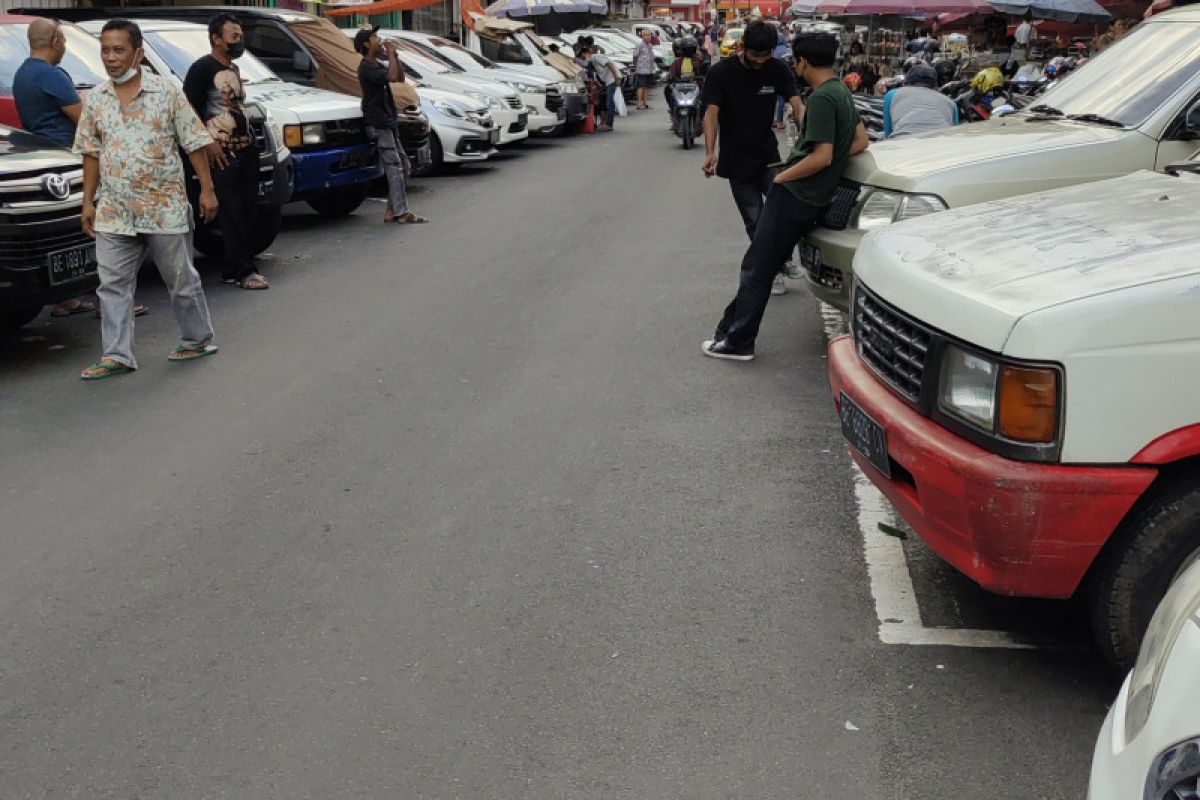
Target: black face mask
(236, 50)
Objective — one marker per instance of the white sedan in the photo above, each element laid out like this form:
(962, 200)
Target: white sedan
(1149, 747)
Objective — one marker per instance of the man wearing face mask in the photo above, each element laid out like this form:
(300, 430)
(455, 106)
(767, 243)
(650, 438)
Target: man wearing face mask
(214, 88)
(740, 93)
(131, 130)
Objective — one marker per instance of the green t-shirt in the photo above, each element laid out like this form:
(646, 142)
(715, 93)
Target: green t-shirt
(830, 117)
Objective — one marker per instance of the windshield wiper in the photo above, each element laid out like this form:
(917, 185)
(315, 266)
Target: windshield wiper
(1049, 111)
(1096, 119)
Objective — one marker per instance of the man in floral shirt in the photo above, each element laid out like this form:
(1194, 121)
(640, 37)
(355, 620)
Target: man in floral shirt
(130, 132)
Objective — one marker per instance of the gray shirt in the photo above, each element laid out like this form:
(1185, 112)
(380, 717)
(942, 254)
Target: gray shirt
(910, 110)
(600, 65)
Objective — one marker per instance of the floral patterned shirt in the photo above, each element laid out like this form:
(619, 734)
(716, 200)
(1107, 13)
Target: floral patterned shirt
(141, 173)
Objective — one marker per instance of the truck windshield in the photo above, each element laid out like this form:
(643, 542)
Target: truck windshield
(180, 49)
(1130, 80)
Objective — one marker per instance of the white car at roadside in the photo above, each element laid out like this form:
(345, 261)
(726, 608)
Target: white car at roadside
(1149, 746)
(542, 96)
(462, 129)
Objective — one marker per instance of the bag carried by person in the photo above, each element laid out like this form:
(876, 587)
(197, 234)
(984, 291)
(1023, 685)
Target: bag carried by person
(619, 103)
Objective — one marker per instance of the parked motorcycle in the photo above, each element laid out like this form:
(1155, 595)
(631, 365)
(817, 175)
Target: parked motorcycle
(687, 111)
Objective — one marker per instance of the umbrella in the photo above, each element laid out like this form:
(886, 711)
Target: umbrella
(1087, 11)
(536, 8)
(904, 8)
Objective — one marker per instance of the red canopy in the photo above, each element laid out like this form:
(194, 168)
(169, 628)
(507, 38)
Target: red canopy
(381, 7)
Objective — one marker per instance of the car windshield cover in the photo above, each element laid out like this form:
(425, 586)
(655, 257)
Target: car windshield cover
(181, 48)
(1130, 80)
(411, 54)
(430, 52)
(82, 59)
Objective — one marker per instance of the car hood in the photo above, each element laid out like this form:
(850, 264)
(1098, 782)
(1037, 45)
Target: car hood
(458, 100)
(461, 83)
(976, 271)
(22, 152)
(502, 74)
(305, 103)
(902, 163)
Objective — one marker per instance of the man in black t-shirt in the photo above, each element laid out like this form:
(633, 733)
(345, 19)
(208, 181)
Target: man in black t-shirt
(214, 88)
(740, 94)
(379, 115)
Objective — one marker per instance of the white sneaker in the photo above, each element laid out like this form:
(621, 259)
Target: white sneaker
(793, 270)
(778, 286)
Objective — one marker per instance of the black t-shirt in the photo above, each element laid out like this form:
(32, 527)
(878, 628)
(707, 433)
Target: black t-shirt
(378, 106)
(746, 98)
(216, 93)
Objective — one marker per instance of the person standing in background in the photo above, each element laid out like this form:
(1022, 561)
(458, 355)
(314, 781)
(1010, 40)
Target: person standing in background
(49, 106)
(1021, 38)
(782, 52)
(379, 114)
(645, 67)
(214, 88)
(608, 78)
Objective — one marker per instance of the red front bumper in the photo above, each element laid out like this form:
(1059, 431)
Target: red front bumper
(1012, 527)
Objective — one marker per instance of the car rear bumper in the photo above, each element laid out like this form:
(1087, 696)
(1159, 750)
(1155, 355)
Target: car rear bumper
(1013, 527)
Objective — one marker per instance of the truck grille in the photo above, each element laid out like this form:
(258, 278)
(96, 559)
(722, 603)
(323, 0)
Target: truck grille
(28, 193)
(345, 133)
(894, 346)
(515, 103)
(27, 243)
(554, 101)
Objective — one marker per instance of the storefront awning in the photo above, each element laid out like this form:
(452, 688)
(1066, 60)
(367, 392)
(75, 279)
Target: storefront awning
(381, 7)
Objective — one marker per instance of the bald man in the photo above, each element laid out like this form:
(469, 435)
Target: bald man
(46, 98)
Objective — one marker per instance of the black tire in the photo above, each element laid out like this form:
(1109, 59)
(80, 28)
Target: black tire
(339, 202)
(15, 320)
(1152, 546)
(267, 221)
(437, 158)
(685, 130)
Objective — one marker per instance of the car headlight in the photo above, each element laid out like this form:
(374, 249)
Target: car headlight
(308, 135)
(481, 118)
(1175, 773)
(1015, 401)
(883, 208)
(448, 109)
(527, 88)
(1176, 610)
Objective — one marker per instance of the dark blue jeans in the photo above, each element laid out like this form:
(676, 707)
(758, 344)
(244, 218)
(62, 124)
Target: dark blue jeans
(610, 98)
(749, 195)
(783, 221)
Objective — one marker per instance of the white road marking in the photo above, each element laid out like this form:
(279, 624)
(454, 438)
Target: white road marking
(891, 582)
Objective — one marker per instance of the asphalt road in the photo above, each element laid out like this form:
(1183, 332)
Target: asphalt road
(461, 511)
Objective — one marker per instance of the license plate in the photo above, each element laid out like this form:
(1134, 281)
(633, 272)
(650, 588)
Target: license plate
(494, 136)
(67, 265)
(865, 435)
(810, 259)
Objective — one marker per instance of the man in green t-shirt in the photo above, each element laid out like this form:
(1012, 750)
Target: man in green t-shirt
(832, 133)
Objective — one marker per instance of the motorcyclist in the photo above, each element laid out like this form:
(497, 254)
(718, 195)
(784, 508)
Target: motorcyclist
(917, 106)
(988, 85)
(690, 66)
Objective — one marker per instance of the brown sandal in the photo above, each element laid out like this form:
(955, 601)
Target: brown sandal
(409, 218)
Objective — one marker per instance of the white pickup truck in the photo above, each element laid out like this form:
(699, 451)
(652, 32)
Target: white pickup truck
(1020, 381)
(1135, 106)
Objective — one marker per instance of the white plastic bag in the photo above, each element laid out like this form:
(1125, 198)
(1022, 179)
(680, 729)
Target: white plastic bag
(619, 102)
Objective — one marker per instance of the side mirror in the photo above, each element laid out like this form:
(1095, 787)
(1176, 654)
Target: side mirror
(301, 62)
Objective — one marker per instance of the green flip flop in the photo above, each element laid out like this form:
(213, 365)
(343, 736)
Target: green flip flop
(106, 371)
(183, 353)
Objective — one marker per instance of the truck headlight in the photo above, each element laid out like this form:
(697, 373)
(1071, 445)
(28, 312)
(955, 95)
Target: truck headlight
(883, 208)
(448, 109)
(526, 88)
(1176, 610)
(1015, 401)
(308, 135)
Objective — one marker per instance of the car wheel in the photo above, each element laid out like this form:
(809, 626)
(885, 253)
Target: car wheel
(1155, 543)
(266, 223)
(339, 202)
(14, 320)
(437, 158)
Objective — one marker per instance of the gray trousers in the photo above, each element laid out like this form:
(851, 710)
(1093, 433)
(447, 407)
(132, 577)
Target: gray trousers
(119, 258)
(395, 167)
